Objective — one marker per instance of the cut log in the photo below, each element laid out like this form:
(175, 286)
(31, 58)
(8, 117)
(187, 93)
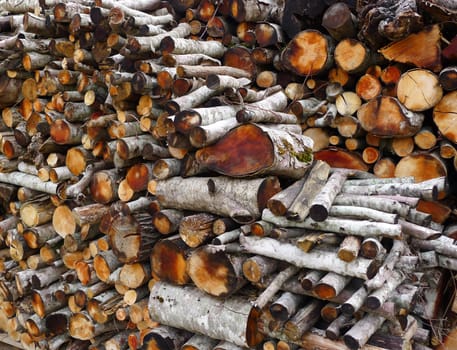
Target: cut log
(232, 318)
(308, 53)
(339, 225)
(196, 229)
(340, 158)
(408, 49)
(352, 56)
(169, 260)
(330, 285)
(215, 195)
(339, 21)
(359, 334)
(131, 236)
(215, 271)
(444, 117)
(165, 337)
(321, 203)
(269, 152)
(303, 320)
(314, 183)
(401, 123)
(274, 286)
(315, 259)
(419, 90)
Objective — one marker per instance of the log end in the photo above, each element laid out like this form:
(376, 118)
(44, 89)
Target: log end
(318, 212)
(212, 272)
(324, 291)
(168, 261)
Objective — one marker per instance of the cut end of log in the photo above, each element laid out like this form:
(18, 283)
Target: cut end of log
(307, 53)
(169, 262)
(318, 212)
(211, 272)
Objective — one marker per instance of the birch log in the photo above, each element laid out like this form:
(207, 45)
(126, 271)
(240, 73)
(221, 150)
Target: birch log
(254, 149)
(320, 205)
(315, 259)
(240, 199)
(362, 228)
(231, 319)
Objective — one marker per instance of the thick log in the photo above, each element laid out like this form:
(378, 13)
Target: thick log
(318, 48)
(165, 337)
(403, 122)
(254, 149)
(169, 260)
(231, 319)
(315, 259)
(215, 195)
(216, 272)
(426, 87)
(132, 236)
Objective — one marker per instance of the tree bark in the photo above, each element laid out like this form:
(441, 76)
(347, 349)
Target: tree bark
(215, 195)
(315, 259)
(313, 186)
(230, 319)
(337, 225)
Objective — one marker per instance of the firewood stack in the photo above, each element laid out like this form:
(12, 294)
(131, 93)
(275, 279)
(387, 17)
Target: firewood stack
(228, 174)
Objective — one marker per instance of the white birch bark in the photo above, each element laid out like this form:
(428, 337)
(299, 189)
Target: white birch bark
(315, 259)
(362, 228)
(359, 334)
(374, 202)
(362, 213)
(191, 309)
(236, 198)
(321, 204)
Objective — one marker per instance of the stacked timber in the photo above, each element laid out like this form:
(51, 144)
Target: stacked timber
(228, 174)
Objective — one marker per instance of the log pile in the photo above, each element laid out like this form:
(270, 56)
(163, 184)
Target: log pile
(228, 174)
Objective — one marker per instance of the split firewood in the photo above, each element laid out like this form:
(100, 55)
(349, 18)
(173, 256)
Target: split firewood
(406, 50)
